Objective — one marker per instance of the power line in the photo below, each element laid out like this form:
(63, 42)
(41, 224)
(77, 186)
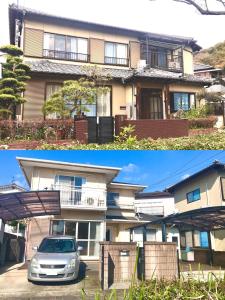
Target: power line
(181, 170)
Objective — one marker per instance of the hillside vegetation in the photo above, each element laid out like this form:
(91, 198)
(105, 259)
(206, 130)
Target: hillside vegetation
(214, 56)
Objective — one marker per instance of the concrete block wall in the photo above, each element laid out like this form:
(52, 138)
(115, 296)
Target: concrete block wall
(161, 260)
(117, 268)
(81, 131)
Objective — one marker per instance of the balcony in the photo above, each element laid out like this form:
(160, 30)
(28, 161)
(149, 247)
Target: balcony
(81, 198)
(54, 54)
(150, 210)
(116, 61)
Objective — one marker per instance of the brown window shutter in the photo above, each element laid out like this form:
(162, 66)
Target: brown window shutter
(33, 42)
(97, 51)
(135, 54)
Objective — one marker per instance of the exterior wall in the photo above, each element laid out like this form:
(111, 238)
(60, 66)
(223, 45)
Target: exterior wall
(36, 93)
(209, 185)
(219, 240)
(96, 40)
(188, 64)
(135, 54)
(33, 42)
(188, 88)
(44, 178)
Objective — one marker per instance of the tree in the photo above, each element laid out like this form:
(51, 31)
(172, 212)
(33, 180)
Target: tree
(205, 7)
(76, 95)
(12, 84)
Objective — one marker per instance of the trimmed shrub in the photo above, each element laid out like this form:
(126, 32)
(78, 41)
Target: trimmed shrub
(202, 123)
(59, 129)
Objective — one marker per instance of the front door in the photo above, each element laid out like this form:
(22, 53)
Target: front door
(151, 104)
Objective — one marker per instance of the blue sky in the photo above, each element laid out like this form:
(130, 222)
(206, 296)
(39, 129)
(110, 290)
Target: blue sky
(156, 169)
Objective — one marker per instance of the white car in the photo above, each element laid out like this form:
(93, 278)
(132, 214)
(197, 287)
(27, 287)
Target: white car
(57, 259)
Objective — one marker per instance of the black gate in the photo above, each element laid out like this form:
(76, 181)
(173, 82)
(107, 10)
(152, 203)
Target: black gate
(100, 130)
(141, 264)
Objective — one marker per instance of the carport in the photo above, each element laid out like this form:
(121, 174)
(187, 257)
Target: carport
(205, 219)
(25, 205)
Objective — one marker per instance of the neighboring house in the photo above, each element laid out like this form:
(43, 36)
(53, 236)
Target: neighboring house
(207, 71)
(203, 189)
(151, 74)
(156, 205)
(93, 207)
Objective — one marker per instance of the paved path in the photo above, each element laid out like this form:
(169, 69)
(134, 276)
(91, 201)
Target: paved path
(14, 285)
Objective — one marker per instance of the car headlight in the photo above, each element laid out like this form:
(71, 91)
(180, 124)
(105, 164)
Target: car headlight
(34, 263)
(72, 264)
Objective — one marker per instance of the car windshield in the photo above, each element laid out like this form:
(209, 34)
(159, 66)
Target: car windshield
(57, 246)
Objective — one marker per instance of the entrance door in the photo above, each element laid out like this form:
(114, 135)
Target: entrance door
(151, 104)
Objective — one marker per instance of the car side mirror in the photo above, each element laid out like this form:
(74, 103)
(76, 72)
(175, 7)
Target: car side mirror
(35, 248)
(79, 248)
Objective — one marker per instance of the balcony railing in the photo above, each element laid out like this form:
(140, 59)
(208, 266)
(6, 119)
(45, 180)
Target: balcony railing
(116, 61)
(151, 210)
(83, 197)
(119, 203)
(55, 54)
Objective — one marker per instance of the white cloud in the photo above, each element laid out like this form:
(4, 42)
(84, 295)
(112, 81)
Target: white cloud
(185, 176)
(130, 168)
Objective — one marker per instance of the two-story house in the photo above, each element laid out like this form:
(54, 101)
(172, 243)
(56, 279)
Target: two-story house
(93, 206)
(151, 74)
(205, 188)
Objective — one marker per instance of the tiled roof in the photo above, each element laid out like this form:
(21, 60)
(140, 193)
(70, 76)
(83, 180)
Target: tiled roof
(201, 67)
(152, 195)
(47, 66)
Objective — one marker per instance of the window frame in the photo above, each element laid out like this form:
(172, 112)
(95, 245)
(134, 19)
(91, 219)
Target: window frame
(76, 221)
(67, 36)
(192, 192)
(127, 52)
(172, 94)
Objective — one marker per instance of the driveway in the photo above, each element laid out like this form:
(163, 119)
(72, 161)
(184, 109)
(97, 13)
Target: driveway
(14, 284)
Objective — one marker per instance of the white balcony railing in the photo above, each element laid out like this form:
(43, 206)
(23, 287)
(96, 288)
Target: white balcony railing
(83, 197)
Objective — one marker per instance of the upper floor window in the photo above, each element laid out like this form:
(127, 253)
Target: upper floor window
(116, 54)
(193, 196)
(65, 47)
(112, 198)
(70, 181)
(183, 101)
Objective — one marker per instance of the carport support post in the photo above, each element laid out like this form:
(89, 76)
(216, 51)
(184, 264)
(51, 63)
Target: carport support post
(164, 239)
(210, 248)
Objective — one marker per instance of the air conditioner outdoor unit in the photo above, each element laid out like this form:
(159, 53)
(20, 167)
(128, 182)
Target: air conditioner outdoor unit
(174, 65)
(142, 64)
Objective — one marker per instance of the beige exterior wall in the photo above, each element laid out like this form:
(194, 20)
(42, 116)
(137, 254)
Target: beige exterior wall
(188, 63)
(211, 195)
(118, 99)
(43, 177)
(209, 185)
(185, 88)
(135, 54)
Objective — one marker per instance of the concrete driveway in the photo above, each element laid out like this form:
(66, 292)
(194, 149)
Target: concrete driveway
(14, 284)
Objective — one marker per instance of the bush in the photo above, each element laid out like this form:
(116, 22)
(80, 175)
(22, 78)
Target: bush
(202, 123)
(48, 129)
(195, 113)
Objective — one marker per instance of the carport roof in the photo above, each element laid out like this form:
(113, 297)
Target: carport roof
(203, 219)
(18, 206)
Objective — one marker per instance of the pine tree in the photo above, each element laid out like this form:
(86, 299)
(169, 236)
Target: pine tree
(13, 82)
